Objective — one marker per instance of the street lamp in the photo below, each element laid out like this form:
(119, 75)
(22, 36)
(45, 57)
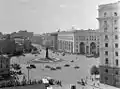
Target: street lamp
(29, 67)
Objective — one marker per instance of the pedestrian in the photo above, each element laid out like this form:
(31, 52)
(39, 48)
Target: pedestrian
(60, 83)
(98, 84)
(92, 80)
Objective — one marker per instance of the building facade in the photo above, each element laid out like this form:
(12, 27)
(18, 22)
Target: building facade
(79, 41)
(86, 41)
(54, 40)
(7, 46)
(37, 39)
(23, 34)
(4, 65)
(66, 41)
(109, 24)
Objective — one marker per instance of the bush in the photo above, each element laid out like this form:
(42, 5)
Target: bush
(94, 70)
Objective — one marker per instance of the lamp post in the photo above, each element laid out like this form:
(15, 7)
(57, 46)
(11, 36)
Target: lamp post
(28, 68)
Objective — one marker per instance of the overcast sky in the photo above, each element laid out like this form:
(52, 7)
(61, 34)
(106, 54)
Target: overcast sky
(41, 16)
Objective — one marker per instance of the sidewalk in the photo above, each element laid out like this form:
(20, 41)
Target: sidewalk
(95, 85)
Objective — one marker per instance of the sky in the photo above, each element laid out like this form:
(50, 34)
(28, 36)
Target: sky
(41, 16)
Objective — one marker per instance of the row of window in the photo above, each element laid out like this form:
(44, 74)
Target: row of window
(107, 61)
(106, 37)
(115, 14)
(106, 28)
(90, 38)
(116, 72)
(106, 25)
(65, 45)
(106, 53)
(116, 45)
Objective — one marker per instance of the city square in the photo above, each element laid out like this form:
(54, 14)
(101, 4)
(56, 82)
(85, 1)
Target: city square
(45, 53)
(68, 75)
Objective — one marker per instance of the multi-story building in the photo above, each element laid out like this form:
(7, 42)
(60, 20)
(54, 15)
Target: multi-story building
(109, 26)
(66, 41)
(37, 39)
(79, 41)
(4, 65)
(86, 41)
(7, 46)
(54, 40)
(23, 34)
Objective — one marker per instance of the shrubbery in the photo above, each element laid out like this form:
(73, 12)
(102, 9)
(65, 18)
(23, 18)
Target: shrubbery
(94, 70)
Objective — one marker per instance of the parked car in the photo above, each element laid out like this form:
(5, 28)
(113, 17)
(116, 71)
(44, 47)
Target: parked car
(90, 55)
(58, 67)
(66, 65)
(52, 68)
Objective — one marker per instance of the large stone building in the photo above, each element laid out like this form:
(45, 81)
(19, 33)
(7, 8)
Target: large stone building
(37, 39)
(79, 41)
(109, 25)
(86, 41)
(23, 34)
(66, 41)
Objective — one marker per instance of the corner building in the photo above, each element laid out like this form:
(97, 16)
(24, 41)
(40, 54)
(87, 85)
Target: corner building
(109, 26)
(79, 41)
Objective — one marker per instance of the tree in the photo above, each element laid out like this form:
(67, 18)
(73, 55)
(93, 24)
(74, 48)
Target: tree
(94, 70)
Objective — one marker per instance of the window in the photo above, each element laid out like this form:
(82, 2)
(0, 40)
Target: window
(115, 28)
(116, 62)
(106, 70)
(116, 53)
(76, 39)
(106, 78)
(105, 22)
(116, 72)
(116, 37)
(106, 37)
(106, 52)
(116, 45)
(105, 14)
(115, 21)
(7, 66)
(106, 60)
(105, 29)
(106, 44)
(115, 13)
(77, 50)
(76, 46)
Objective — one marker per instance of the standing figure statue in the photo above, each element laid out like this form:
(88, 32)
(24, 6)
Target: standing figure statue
(47, 52)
